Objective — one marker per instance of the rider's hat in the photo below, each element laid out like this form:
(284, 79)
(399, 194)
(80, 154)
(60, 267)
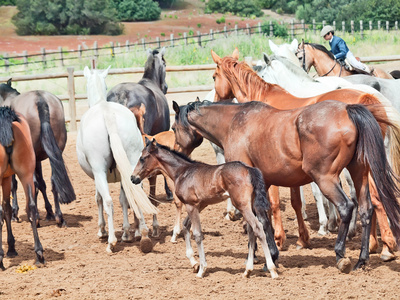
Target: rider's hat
(326, 30)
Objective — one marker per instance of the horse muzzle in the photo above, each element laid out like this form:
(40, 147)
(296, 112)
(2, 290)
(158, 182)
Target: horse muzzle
(136, 179)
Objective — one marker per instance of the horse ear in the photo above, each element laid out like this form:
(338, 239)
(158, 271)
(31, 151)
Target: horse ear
(149, 52)
(9, 82)
(162, 51)
(235, 53)
(175, 106)
(86, 72)
(215, 57)
(294, 45)
(105, 72)
(147, 141)
(197, 99)
(267, 59)
(274, 48)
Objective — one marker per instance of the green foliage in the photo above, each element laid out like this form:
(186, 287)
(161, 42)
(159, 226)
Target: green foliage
(7, 2)
(42, 17)
(266, 4)
(220, 20)
(137, 10)
(278, 29)
(237, 7)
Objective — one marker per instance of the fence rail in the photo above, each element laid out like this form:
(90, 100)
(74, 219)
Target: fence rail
(61, 57)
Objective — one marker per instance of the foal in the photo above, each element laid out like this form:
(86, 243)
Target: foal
(198, 185)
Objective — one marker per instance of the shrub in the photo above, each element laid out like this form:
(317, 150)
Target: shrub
(238, 7)
(278, 29)
(137, 10)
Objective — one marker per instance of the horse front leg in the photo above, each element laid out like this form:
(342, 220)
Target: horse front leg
(41, 186)
(7, 216)
(142, 232)
(279, 234)
(126, 236)
(189, 250)
(304, 237)
(152, 196)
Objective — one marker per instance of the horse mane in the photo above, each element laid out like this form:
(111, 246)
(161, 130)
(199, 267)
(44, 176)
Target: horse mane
(7, 116)
(241, 74)
(321, 48)
(149, 65)
(179, 154)
(296, 70)
(191, 106)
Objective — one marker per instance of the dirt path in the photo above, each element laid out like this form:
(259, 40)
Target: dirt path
(79, 267)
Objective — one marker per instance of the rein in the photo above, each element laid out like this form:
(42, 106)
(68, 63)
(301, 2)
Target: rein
(332, 70)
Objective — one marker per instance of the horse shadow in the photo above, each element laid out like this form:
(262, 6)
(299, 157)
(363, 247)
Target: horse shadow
(72, 220)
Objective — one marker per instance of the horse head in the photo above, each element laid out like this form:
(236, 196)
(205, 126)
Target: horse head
(147, 164)
(186, 138)
(6, 91)
(155, 68)
(96, 87)
(286, 50)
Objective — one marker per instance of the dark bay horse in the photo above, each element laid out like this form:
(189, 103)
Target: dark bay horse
(199, 185)
(149, 91)
(44, 113)
(296, 147)
(16, 157)
(234, 78)
(317, 56)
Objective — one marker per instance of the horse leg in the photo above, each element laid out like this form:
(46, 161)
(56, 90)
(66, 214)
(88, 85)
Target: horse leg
(102, 233)
(142, 231)
(126, 236)
(194, 215)
(251, 248)
(388, 241)
(15, 207)
(170, 195)
(41, 185)
(304, 238)
(177, 227)
(332, 190)
(280, 235)
(6, 215)
(152, 196)
(31, 211)
(303, 203)
(319, 201)
(353, 197)
(189, 250)
(1, 236)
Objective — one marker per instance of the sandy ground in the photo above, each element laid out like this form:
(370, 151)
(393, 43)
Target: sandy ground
(77, 265)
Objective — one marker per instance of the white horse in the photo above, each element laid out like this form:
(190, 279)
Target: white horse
(109, 145)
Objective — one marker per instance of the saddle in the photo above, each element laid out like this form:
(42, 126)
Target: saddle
(346, 64)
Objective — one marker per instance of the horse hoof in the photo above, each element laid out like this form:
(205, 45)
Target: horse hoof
(246, 274)
(12, 253)
(234, 217)
(274, 274)
(196, 267)
(146, 245)
(155, 233)
(387, 256)
(173, 240)
(127, 238)
(344, 265)
(15, 219)
(2, 266)
(50, 217)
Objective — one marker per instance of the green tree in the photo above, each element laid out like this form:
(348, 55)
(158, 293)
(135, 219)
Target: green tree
(238, 7)
(41, 17)
(137, 10)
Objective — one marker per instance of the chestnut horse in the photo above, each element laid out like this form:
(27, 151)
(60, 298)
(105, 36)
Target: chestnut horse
(44, 113)
(317, 56)
(17, 157)
(298, 146)
(193, 186)
(236, 79)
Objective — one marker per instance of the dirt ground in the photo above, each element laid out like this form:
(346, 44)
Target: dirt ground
(77, 265)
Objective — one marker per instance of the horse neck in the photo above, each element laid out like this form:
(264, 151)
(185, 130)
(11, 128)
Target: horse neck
(324, 65)
(96, 91)
(171, 164)
(213, 122)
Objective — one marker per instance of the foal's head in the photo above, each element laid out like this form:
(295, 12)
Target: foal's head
(147, 164)
(186, 138)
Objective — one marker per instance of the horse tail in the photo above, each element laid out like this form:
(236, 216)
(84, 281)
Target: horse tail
(370, 150)
(7, 116)
(59, 175)
(392, 119)
(261, 205)
(137, 198)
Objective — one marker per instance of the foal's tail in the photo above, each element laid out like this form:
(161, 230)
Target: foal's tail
(62, 184)
(137, 198)
(371, 151)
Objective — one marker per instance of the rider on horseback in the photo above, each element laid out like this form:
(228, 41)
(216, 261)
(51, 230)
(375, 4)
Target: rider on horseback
(340, 49)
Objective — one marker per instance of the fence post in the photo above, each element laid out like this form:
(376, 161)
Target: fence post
(361, 29)
(396, 25)
(343, 26)
(211, 34)
(225, 32)
(127, 46)
(236, 29)
(71, 102)
(387, 26)
(334, 25)
(158, 42)
(199, 38)
(314, 27)
(112, 49)
(144, 44)
(43, 51)
(352, 27)
(185, 38)
(271, 29)
(292, 29)
(248, 29)
(6, 61)
(61, 56)
(379, 25)
(25, 53)
(171, 37)
(303, 25)
(370, 25)
(96, 50)
(323, 23)
(259, 28)
(80, 51)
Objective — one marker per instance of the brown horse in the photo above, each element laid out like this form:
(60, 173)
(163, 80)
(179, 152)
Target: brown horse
(16, 157)
(296, 147)
(236, 79)
(44, 113)
(317, 56)
(199, 185)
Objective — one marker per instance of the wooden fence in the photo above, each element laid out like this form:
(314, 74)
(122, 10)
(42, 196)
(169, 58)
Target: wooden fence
(60, 57)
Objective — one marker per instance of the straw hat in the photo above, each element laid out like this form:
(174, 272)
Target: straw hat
(326, 30)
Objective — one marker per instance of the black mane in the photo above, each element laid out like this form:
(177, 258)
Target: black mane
(321, 48)
(7, 116)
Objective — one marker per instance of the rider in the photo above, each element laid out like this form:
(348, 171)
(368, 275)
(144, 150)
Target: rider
(340, 49)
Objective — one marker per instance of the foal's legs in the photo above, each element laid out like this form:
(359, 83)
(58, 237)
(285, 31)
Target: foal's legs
(152, 196)
(189, 250)
(280, 235)
(304, 238)
(126, 236)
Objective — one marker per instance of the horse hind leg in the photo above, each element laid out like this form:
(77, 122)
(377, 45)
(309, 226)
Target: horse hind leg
(6, 215)
(102, 233)
(15, 207)
(319, 201)
(304, 237)
(152, 196)
(41, 186)
(126, 236)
